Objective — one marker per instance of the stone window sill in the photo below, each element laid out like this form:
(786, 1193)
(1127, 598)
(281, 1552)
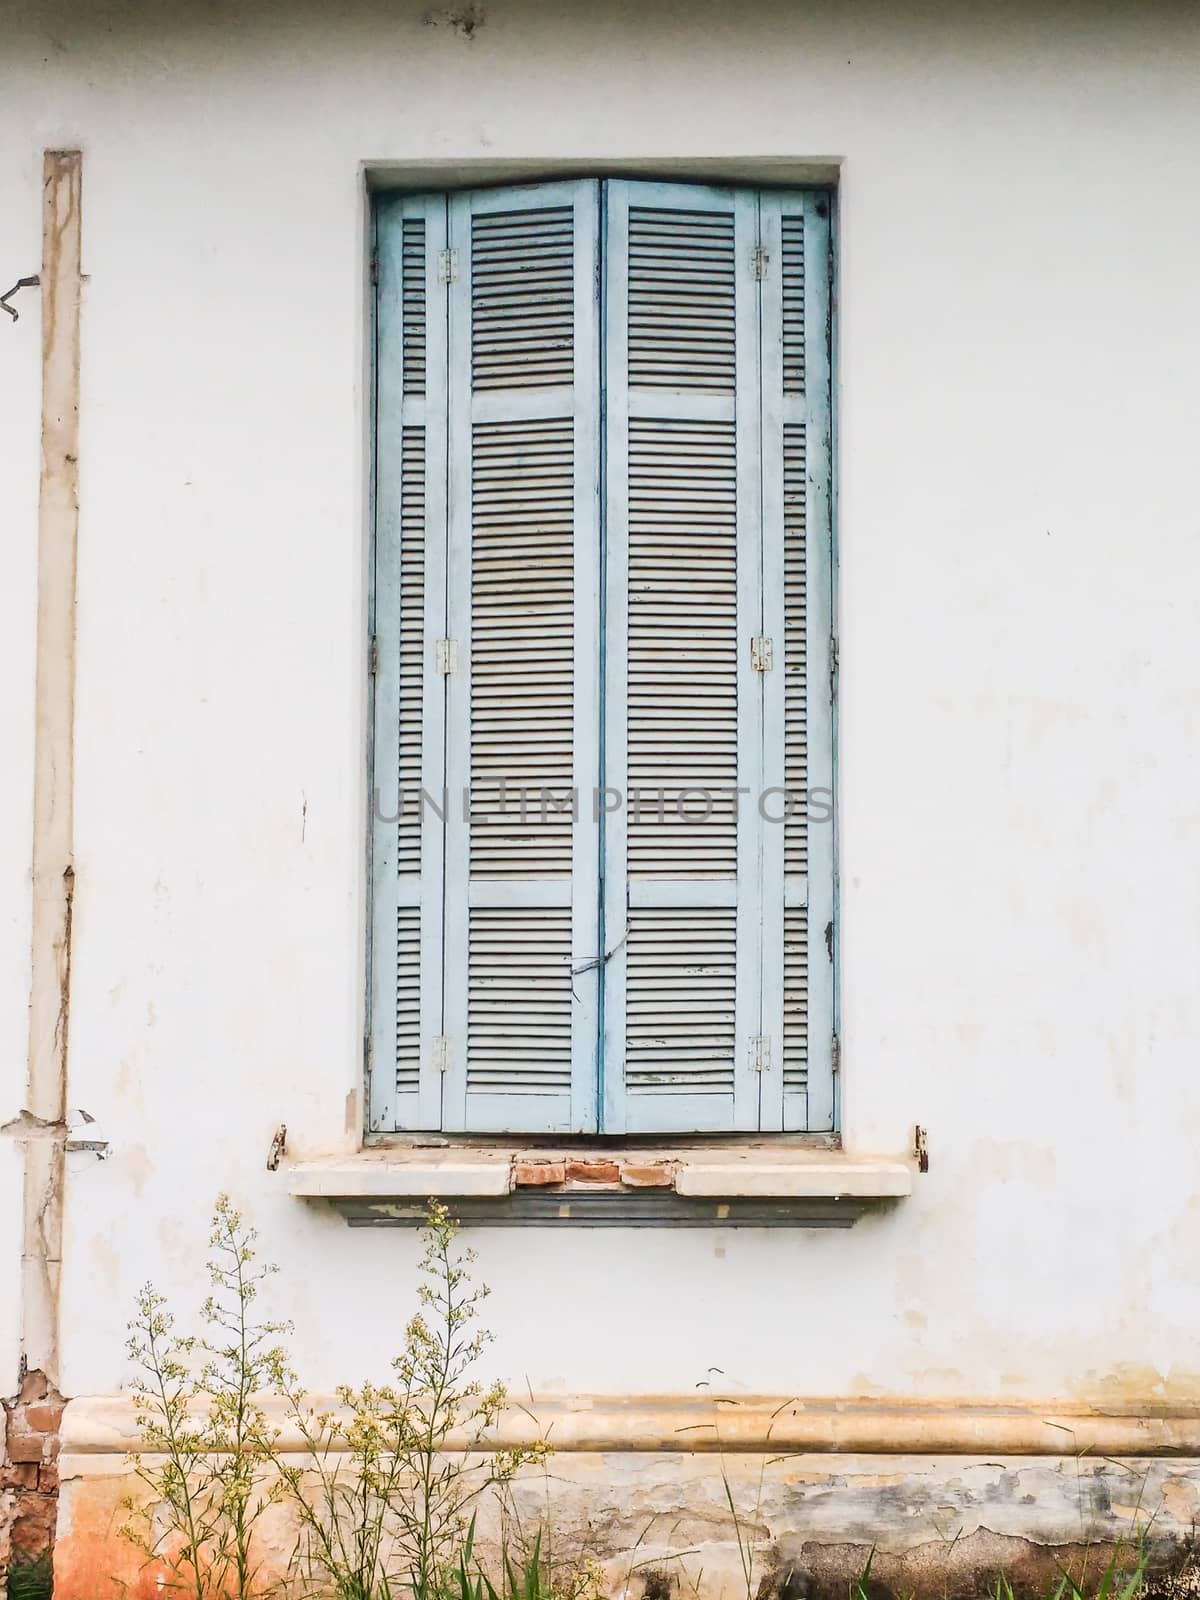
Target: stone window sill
(703, 1186)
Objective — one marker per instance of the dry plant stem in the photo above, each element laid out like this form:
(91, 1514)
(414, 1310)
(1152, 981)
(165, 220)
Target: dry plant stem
(393, 1504)
(197, 1413)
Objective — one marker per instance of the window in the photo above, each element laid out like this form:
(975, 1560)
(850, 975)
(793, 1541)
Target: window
(602, 848)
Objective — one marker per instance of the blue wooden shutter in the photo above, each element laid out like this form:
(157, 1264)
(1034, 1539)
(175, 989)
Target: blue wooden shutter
(521, 983)
(408, 616)
(798, 904)
(683, 726)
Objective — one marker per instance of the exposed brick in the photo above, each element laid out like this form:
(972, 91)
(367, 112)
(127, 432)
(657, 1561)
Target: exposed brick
(33, 1523)
(25, 1446)
(29, 1470)
(593, 1172)
(34, 1386)
(529, 1174)
(43, 1417)
(648, 1174)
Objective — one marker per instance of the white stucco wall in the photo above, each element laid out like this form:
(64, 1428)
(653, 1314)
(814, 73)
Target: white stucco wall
(20, 414)
(1019, 749)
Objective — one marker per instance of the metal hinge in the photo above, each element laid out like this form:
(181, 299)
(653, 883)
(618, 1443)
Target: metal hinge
(921, 1148)
(833, 667)
(760, 1053)
(836, 1054)
(278, 1148)
(445, 656)
(447, 266)
(441, 1053)
(374, 266)
(762, 654)
(373, 656)
(759, 258)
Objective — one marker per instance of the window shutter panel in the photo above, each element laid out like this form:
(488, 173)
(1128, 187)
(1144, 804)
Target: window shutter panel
(522, 700)
(683, 716)
(408, 598)
(798, 918)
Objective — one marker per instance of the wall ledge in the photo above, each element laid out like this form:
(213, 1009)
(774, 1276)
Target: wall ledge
(105, 1426)
(703, 1186)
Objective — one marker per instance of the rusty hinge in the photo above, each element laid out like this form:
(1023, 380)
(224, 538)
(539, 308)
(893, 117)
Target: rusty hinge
(445, 656)
(441, 1053)
(278, 1148)
(835, 1054)
(921, 1148)
(447, 266)
(373, 656)
(759, 260)
(760, 1053)
(762, 653)
(83, 1133)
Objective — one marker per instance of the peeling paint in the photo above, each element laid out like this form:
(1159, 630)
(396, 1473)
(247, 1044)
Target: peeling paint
(660, 1522)
(465, 19)
(53, 791)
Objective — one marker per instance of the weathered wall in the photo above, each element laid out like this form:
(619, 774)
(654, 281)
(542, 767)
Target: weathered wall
(1018, 485)
(20, 408)
(806, 1525)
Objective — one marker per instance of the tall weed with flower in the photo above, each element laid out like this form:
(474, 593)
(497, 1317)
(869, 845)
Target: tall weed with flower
(387, 1486)
(204, 1441)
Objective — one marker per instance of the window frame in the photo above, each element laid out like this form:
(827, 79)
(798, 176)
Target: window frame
(430, 1118)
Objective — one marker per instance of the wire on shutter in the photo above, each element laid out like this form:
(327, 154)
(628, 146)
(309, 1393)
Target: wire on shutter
(408, 610)
(683, 720)
(522, 703)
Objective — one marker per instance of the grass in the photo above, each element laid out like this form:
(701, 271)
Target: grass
(31, 1579)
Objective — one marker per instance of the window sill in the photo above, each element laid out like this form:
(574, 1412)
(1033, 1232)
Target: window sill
(728, 1184)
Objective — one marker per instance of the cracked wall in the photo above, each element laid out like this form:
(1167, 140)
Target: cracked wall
(662, 1524)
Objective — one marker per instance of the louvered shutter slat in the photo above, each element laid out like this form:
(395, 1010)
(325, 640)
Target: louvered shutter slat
(798, 908)
(409, 578)
(411, 642)
(523, 604)
(414, 258)
(682, 601)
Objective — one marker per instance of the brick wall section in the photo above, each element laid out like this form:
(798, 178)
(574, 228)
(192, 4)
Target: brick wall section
(29, 1472)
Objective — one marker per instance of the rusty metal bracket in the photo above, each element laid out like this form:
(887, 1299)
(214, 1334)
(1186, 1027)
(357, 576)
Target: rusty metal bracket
(278, 1147)
(21, 283)
(921, 1148)
(83, 1133)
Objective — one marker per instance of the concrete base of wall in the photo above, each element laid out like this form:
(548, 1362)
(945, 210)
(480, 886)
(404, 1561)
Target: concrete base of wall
(658, 1520)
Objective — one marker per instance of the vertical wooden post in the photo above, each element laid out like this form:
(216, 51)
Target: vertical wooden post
(54, 763)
